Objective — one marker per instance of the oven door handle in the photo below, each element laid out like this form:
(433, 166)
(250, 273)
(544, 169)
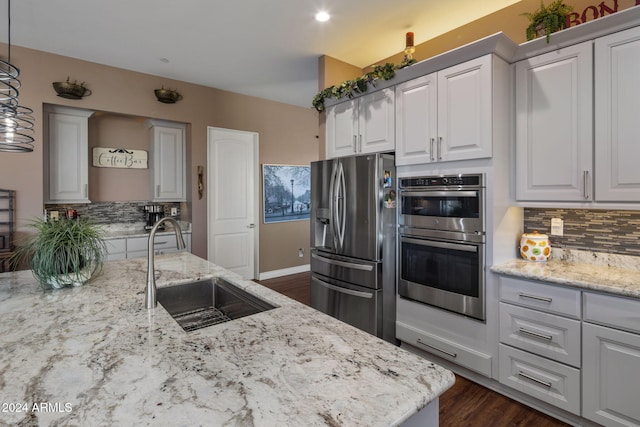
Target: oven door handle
(445, 193)
(443, 245)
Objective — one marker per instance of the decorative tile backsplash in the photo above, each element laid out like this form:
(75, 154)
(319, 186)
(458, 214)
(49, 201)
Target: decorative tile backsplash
(112, 212)
(616, 232)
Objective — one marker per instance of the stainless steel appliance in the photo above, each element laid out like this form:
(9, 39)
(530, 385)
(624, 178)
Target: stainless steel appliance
(353, 241)
(154, 213)
(442, 241)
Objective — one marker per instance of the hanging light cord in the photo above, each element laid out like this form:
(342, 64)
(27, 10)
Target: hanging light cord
(9, 31)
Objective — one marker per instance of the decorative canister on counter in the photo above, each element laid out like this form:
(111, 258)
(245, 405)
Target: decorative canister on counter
(535, 246)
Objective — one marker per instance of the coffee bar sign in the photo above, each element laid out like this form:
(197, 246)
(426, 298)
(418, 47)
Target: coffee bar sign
(119, 158)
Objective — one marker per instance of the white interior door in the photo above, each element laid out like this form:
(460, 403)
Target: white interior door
(233, 200)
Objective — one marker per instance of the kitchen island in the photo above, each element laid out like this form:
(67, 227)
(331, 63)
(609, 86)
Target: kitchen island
(93, 355)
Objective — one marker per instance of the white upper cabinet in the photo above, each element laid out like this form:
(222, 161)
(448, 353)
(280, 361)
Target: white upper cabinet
(361, 125)
(465, 110)
(554, 121)
(342, 129)
(447, 115)
(617, 94)
(417, 120)
(67, 168)
(168, 153)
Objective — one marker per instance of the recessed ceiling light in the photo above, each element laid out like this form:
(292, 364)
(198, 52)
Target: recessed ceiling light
(322, 16)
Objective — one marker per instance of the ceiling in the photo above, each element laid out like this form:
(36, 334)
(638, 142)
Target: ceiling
(268, 49)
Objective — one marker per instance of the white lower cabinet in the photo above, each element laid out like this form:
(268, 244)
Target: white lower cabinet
(135, 247)
(540, 341)
(544, 334)
(546, 380)
(445, 348)
(579, 351)
(611, 360)
(454, 338)
(116, 249)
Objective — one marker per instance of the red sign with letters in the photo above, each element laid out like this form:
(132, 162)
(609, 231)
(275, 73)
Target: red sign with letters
(592, 12)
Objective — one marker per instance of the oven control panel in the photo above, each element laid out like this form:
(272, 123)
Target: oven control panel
(469, 180)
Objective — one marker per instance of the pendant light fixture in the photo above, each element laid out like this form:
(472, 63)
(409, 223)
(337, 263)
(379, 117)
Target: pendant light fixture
(16, 121)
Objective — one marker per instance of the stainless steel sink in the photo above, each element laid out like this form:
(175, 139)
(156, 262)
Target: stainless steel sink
(196, 305)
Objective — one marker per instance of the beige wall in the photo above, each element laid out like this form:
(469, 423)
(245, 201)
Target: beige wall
(287, 135)
(333, 71)
(115, 184)
(508, 20)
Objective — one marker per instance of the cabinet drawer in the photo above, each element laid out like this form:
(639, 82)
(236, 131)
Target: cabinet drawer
(116, 246)
(160, 242)
(447, 349)
(549, 381)
(552, 299)
(608, 310)
(136, 254)
(115, 257)
(544, 334)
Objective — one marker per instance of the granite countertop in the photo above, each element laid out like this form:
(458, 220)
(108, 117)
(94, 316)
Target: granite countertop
(613, 274)
(93, 355)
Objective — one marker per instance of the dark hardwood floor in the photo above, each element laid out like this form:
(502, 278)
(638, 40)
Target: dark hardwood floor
(466, 404)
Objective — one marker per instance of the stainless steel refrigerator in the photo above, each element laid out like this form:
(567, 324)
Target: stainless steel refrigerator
(353, 241)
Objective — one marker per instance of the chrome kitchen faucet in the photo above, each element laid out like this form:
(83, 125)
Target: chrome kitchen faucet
(151, 300)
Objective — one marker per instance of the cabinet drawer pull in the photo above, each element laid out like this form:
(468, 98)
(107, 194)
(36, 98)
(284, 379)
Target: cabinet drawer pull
(355, 143)
(437, 349)
(585, 181)
(535, 297)
(535, 380)
(536, 334)
(433, 140)
(440, 148)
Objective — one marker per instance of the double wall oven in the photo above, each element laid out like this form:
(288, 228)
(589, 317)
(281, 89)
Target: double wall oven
(442, 242)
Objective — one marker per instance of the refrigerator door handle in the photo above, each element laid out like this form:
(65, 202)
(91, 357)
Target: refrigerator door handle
(339, 206)
(345, 290)
(343, 263)
(332, 205)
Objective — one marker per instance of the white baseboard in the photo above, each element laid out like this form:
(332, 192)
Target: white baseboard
(284, 272)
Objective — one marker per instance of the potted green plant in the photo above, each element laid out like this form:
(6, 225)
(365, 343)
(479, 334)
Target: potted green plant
(67, 252)
(547, 19)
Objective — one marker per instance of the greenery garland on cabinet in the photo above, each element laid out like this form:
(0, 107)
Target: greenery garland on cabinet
(547, 19)
(350, 88)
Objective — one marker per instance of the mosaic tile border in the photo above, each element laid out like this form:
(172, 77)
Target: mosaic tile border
(608, 231)
(112, 212)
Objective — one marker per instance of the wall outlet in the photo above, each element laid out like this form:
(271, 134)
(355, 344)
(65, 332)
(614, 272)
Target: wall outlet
(174, 211)
(300, 253)
(54, 215)
(557, 227)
